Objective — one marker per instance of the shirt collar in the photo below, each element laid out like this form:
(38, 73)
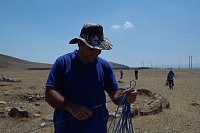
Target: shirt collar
(76, 58)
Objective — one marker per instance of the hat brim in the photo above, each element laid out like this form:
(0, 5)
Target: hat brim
(105, 44)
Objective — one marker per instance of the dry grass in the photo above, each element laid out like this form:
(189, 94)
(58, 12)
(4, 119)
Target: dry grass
(182, 117)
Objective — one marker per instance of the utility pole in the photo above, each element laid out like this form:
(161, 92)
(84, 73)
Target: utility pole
(190, 62)
(142, 63)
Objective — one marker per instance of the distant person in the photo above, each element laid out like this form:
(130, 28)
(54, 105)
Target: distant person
(136, 74)
(77, 83)
(170, 79)
(121, 73)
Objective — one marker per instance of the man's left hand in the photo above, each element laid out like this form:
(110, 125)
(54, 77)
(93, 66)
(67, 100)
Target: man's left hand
(131, 95)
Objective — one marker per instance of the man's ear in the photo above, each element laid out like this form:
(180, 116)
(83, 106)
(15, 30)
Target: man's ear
(79, 42)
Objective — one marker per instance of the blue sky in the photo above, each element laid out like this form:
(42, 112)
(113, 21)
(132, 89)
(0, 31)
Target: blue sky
(158, 33)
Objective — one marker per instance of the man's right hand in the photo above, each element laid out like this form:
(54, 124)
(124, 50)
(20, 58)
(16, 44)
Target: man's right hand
(56, 100)
(80, 112)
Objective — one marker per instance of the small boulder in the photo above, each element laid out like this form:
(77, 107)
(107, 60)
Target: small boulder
(18, 112)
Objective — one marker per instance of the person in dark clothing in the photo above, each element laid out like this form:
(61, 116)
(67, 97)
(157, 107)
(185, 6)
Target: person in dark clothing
(170, 79)
(121, 73)
(136, 74)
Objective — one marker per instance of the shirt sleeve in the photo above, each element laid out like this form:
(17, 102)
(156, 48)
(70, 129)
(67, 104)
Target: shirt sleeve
(110, 80)
(55, 78)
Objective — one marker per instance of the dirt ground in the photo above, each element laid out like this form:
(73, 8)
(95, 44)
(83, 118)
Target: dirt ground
(183, 116)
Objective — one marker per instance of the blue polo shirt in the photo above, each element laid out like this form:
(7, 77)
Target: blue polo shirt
(83, 84)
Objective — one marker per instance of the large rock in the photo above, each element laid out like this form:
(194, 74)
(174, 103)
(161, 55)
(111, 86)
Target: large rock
(3, 78)
(154, 106)
(151, 108)
(18, 112)
(161, 99)
(144, 91)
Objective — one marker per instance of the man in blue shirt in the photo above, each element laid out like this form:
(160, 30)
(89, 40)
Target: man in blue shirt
(76, 84)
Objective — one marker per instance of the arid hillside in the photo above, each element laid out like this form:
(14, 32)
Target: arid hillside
(16, 63)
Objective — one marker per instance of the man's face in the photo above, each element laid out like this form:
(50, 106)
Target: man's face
(88, 54)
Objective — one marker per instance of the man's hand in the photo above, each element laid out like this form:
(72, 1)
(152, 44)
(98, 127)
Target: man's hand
(56, 100)
(78, 111)
(131, 95)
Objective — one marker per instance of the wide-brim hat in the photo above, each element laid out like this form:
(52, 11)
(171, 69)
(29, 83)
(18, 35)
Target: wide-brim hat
(92, 35)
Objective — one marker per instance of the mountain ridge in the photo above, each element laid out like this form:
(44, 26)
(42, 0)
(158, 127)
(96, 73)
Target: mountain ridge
(7, 61)
(11, 62)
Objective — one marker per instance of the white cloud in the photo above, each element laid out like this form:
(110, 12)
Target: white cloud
(126, 25)
(116, 26)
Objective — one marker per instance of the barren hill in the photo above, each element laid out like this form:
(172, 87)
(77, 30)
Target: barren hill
(118, 66)
(16, 63)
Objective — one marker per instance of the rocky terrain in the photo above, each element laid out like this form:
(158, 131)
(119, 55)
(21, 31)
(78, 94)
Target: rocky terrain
(157, 109)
